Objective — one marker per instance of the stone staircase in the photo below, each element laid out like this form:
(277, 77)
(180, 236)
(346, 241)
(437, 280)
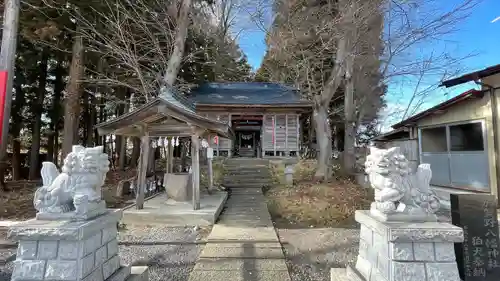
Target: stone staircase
(246, 152)
(247, 173)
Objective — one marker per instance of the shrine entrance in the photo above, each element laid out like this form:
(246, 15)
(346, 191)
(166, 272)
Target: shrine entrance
(247, 130)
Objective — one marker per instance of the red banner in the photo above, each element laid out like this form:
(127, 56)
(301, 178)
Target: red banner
(216, 139)
(3, 91)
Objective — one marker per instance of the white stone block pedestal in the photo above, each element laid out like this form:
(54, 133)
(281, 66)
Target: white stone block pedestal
(68, 250)
(405, 251)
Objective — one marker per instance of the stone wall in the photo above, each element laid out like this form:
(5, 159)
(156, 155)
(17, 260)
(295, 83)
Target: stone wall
(51, 251)
(406, 251)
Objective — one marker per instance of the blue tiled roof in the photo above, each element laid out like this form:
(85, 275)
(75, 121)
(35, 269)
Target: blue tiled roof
(246, 93)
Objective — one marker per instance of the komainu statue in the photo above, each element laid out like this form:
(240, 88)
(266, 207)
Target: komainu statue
(75, 193)
(400, 194)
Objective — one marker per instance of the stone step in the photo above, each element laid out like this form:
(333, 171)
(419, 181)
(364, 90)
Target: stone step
(242, 265)
(138, 273)
(251, 176)
(248, 217)
(238, 169)
(247, 179)
(243, 173)
(240, 250)
(250, 191)
(246, 223)
(249, 234)
(244, 186)
(249, 160)
(241, 181)
(236, 275)
(232, 205)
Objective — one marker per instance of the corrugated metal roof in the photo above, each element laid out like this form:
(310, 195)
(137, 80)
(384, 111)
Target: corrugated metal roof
(476, 75)
(246, 93)
(470, 94)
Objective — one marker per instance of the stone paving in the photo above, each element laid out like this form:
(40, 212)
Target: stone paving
(243, 245)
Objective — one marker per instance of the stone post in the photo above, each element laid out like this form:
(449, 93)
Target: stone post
(409, 251)
(66, 250)
(400, 237)
(289, 175)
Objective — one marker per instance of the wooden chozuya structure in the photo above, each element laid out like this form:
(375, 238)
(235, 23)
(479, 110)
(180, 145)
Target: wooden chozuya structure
(168, 115)
(264, 116)
(237, 118)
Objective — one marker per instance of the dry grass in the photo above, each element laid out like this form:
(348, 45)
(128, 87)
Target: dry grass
(17, 204)
(311, 204)
(317, 205)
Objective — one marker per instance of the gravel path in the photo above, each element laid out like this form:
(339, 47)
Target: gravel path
(166, 262)
(310, 253)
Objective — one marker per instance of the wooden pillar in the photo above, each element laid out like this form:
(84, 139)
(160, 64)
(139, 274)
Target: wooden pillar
(287, 149)
(195, 168)
(262, 136)
(141, 172)
(210, 168)
(299, 136)
(275, 116)
(218, 139)
(171, 155)
(229, 123)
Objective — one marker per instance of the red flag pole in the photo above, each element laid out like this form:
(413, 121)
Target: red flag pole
(3, 93)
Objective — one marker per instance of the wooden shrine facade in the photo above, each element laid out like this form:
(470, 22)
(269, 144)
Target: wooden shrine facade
(265, 117)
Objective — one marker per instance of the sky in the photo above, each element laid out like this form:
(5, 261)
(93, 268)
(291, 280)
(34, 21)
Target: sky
(476, 35)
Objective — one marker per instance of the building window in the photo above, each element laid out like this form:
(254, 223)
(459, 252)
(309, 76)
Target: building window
(434, 139)
(466, 137)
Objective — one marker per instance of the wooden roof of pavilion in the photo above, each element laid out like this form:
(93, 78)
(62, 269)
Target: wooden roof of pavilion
(167, 115)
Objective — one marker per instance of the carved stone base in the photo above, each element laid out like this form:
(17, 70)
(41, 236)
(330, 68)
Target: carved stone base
(403, 217)
(68, 250)
(93, 210)
(395, 251)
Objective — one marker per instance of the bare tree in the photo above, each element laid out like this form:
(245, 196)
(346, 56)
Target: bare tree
(318, 47)
(350, 50)
(417, 54)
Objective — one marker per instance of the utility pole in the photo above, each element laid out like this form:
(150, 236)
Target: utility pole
(7, 62)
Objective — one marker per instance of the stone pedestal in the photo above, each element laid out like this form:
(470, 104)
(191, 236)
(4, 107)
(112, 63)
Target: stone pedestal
(405, 251)
(178, 186)
(68, 250)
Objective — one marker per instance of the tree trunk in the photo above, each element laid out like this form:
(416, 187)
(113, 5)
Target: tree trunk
(174, 63)
(323, 138)
(102, 118)
(93, 115)
(136, 151)
(38, 110)
(89, 121)
(55, 112)
(17, 124)
(120, 141)
(349, 156)
(73, 93)
(123, 145)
